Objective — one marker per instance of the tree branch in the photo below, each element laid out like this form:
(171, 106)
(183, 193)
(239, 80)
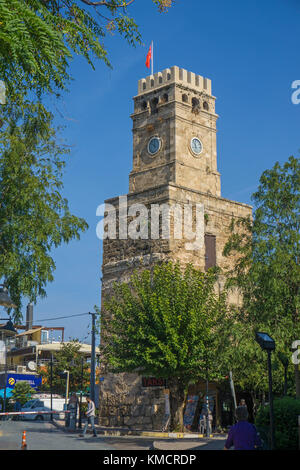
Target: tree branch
(106, 4)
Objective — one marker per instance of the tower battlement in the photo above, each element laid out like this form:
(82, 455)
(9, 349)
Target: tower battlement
(174, 75)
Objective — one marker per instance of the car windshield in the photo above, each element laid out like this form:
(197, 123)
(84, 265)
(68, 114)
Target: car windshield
(29, 404)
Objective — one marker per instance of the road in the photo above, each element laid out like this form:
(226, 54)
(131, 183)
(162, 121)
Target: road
(45, 436)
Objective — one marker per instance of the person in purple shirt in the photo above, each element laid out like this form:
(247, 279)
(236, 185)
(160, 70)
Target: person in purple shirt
(243, 435)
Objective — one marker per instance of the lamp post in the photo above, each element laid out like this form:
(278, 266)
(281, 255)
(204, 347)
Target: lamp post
(268, 344)
(6, 301)
(51, 379)
(8, 327)
(67, 385)
(81, 387)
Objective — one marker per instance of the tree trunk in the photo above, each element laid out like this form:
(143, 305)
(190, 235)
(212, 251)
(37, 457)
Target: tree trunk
(177, 402)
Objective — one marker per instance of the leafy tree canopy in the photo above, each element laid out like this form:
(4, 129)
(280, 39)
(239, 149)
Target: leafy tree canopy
(39, 37)
(167, 323)
(67, 358)
(22, 392)
(34, 217)
(268, 251)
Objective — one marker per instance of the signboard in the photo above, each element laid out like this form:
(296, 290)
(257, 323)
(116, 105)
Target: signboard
(190, 410)
(34, 380)
(153, 382)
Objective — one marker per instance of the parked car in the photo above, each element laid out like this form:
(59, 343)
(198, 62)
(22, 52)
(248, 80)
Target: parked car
(39, 405)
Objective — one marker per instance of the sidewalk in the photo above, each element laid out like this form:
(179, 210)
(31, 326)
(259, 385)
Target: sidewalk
(162, 440)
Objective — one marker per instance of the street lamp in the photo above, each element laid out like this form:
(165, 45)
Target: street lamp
(8, 327)
(268, 344)
(67, 384)
(5, 300)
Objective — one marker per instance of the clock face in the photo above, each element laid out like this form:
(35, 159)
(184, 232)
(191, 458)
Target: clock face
(154, 145)
(196, 145)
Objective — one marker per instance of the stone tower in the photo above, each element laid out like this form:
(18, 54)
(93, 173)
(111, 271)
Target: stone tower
(174, 164)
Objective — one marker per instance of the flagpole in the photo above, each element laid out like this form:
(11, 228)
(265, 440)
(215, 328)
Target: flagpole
(152, 58)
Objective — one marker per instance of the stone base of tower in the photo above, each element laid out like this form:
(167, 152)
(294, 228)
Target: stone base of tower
(125, 403)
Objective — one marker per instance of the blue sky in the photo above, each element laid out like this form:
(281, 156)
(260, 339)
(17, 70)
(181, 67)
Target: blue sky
(250, 52)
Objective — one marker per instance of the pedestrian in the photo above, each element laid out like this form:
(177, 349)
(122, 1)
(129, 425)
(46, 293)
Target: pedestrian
(209, 420)
(243, 435)
(90, 415)
(202, 421)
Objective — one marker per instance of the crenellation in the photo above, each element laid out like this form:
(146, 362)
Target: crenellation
(174, 74)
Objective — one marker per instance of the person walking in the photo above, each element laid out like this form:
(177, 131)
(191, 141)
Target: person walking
(243, 435)
(90, 415)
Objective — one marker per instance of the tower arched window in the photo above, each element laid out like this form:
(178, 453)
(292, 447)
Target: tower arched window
(185, 98)
(195, 105)
(153, 105)
(165, 98)
(205, 106)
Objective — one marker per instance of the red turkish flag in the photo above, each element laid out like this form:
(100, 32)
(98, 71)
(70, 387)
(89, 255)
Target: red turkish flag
(148, 58)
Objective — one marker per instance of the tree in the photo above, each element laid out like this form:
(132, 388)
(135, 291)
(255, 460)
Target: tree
(34, 217)
(267, 269)
(167, 323)
(39, 37)
(37, 41)
(67, 358)
(22, 392)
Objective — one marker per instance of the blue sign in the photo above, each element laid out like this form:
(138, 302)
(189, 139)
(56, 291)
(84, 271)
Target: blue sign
(34, 381)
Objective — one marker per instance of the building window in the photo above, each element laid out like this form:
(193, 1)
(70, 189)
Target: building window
(165, 98)
(195, 105)
(154, 103)
(184, 98)
(210, 251)
(144, 105)
(205, 106)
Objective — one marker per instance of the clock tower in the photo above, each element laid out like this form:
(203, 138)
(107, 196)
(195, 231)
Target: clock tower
(174, 133)
(174, 165)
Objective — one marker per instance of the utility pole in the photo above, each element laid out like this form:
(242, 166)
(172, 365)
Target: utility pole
(93, 358)
(51, 378)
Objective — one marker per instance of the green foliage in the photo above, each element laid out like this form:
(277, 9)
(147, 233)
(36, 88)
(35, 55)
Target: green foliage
(22, 392)
(9, 406)
(267, 269)
(166, 323)
(38, 38)
(67, 358)
(34, 217)
(286, 412)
